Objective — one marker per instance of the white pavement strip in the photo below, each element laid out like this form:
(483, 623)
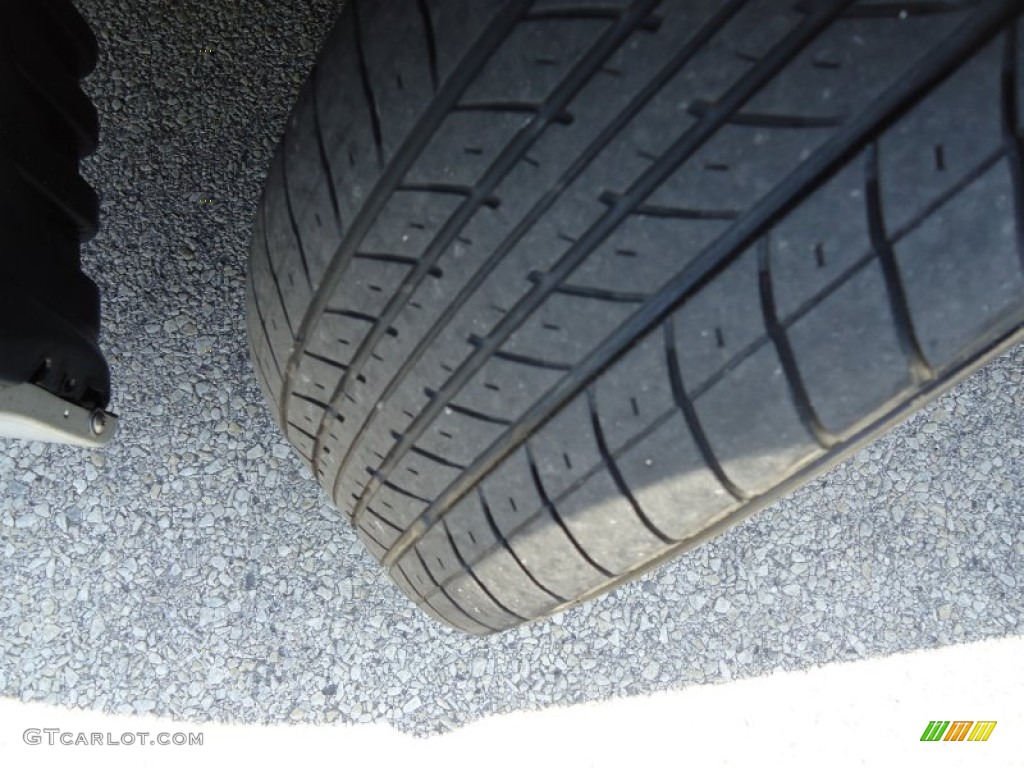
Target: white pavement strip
(870, 712)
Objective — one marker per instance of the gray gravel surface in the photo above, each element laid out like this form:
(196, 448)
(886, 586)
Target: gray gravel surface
(193, 569)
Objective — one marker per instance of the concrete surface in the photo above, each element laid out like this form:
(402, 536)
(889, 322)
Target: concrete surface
(867, 713)
(194, 571)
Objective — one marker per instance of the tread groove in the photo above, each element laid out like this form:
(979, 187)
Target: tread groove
(263, 327)
(602, 294)
(321, 149)
(431, 39)
(478, 415)
(667, 212)
(699, 108)
(904, 10)
(364, 77)
(532, 362)
(447, 189)
(273, 274)
(780, 339)
(443, 591)
(503, 542)
(584, 11)
(556, 515)
(613, 469)
(351, 314)
(326, 360)
(291, 210)
(685, 405)
(882, 246)
(297, 428)
(383, 521)
(522, 107)
(404, 492)
(431, 456)
(468, 569)
(310, 400)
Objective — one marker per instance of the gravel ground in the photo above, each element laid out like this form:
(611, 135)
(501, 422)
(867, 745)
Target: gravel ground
(194, 570)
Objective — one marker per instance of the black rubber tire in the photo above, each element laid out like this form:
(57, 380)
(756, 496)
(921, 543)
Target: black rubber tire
(547, 292)
(49, 309)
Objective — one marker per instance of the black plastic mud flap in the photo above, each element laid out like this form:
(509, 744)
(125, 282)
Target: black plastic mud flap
(54, 380)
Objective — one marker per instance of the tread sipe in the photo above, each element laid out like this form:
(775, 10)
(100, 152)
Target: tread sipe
(546, 292)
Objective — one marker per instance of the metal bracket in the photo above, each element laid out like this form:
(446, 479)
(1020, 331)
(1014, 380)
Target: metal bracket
(29, 412)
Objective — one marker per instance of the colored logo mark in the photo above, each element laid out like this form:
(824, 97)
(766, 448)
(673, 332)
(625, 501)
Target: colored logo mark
(958, 730)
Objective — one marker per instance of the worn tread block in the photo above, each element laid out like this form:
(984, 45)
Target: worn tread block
(407, 224)
(849, 354)
(457, 24)
(430, 476)
(819, 80)
(335, 339)
(494, 563)
(396, 507)
(376, 527)
(529, 526)
(395, 50)
(299, 439)
(942, 139)
(374, 548)
(282, 237)
(607, 527)
(503, 389)
(551, 557)
(422, 581)
(305, 414)
(738, 167)
(808, 255)
(444, 564)
(317, 378)
(634, 260)
(316, 217)
(564, 328)
(472, 434)
(459, 154)
(671, 481)
(534, 59)
(634, 392)
(403, 583)
(566, 449)
(939, 272)
(367, 285)
(346, 119)
(719, 322)
(467, 592)
(273, 312)
(752, 424)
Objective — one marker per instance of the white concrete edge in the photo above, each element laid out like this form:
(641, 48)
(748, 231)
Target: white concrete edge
(869, 712)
